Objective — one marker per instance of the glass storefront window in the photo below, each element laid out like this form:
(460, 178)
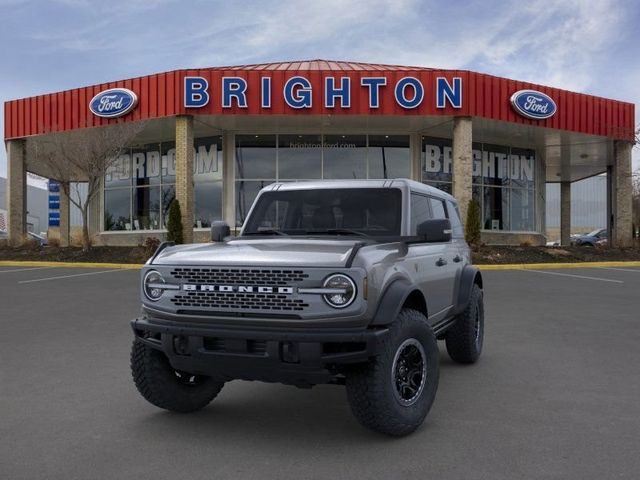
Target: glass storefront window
(299, 157)
(522, 210)
(168, 195)
(436, 160)
(207, 159)
(146, 165)
(146, 208)
(495, 165)
(345, 157)
(152, 170)
(496, 208)
(522, 168)
(208, 203)
(389, 156)
(119, 172)
(117, 209)
(168, 162)
(256, 156)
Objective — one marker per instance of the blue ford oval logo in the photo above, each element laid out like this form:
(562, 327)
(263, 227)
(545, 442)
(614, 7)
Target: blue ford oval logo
(533, 104)
(114, 102)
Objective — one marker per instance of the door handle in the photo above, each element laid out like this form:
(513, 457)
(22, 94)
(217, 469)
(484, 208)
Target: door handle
(457, 259)
(441, 262)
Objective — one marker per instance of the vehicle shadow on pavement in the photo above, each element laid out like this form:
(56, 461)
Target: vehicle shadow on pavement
(281, 414)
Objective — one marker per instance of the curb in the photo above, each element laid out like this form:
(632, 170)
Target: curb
(506, 266)
(558, 266)
(29, 263)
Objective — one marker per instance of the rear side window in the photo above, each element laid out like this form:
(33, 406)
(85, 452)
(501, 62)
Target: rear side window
(456, 225)
(437, 207)
(420, 211)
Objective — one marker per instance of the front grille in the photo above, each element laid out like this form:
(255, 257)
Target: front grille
(236, 301)
(241, 276)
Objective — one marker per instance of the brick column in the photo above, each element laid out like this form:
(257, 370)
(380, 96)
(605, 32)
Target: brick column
(462, 163)
(16, 192)
(621, 236)
(64, 217)
(228, 179)
(184, 173)
(565, 213)
(415, 143)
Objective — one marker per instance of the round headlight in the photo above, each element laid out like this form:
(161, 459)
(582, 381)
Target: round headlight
(152, 285)
(344, 291)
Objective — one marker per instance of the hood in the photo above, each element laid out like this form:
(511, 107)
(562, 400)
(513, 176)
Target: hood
(268, 252)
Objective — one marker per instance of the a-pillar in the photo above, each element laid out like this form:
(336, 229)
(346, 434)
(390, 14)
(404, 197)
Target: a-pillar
(621, 235)
(184, 173)
(16, 192)
(64, 215)
(462, 163)
(565, 213)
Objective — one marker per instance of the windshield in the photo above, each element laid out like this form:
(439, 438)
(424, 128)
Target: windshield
(595, 233)
(354, 211)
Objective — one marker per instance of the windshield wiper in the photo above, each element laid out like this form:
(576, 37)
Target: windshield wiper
(338, 231)
(266, 232)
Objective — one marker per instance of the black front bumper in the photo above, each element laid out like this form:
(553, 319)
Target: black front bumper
(305, 357)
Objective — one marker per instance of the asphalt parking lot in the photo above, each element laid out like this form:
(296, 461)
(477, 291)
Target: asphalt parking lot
(555, 395)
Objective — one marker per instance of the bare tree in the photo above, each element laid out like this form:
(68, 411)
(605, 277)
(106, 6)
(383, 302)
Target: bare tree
(82, 156)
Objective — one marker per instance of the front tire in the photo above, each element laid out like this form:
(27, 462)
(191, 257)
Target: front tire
(163, 386)
(465, 338)
(393, 393)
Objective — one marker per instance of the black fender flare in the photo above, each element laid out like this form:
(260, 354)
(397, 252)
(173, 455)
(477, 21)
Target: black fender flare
(391, 301)
(469, 276)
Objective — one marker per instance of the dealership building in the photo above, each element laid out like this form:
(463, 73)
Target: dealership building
(214, 137)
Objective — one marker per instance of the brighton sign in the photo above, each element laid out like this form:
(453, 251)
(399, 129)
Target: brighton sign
(533, 104)
(113, 103)
(297, 92)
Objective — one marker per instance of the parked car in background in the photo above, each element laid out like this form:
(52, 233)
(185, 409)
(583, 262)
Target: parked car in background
(591, 239)
(3, 235)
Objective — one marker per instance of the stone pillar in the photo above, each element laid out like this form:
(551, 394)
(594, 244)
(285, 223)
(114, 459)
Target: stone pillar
(16, 192)
(184, 173)
(228, 179)
(462, 163)
(64, 216)
(565, 213)
(621, 236)
(415, 144)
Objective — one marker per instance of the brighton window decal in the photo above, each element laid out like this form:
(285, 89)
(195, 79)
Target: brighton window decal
(533, 104)
(114, 102)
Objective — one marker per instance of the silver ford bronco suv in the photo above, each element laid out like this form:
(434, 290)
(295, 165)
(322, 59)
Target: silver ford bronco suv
(343, 282)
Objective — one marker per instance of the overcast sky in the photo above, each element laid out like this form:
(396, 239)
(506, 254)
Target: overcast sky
(584, 45)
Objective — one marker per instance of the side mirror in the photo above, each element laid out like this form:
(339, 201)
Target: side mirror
(435, 230)
(219, 231)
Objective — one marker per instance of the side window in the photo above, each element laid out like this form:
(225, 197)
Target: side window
(456, 225)
(437, 207)
(420, 211)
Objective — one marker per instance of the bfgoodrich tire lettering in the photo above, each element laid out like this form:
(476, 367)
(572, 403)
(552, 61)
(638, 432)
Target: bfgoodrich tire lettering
(465, 338)
(167, 388)
(372, 389)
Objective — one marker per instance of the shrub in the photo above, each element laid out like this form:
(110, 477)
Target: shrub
(174, 224)
(53, 242)
(150, 245)
(472, 226)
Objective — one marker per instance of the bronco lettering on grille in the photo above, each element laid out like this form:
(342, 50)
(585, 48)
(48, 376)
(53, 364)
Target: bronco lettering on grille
(237, 289)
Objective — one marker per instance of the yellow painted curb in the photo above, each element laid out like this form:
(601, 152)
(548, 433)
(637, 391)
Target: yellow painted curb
(549, 266)
(29, 263)
(506, 266)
